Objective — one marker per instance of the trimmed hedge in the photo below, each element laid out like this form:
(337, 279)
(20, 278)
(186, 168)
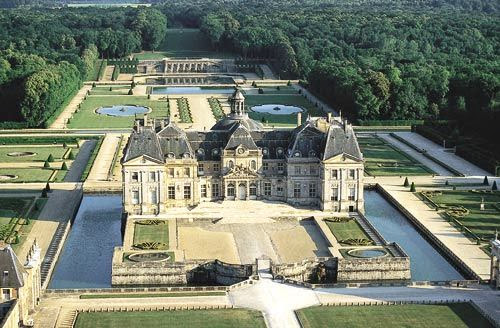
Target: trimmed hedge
(389, 122)
(25, 140)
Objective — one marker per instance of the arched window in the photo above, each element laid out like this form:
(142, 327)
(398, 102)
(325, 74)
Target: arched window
(230, 190)
(230, 164)
(253, 165)
(253, 189)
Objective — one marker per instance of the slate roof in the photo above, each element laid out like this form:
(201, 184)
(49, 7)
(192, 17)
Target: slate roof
(314, 139)
(11, 270)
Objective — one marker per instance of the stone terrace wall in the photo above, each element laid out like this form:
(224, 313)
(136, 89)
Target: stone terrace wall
(306, 270)
(374, 269)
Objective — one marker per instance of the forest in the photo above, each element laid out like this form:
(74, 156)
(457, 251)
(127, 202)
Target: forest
(45, 54)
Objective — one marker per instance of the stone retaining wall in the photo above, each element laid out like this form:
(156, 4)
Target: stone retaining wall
(374, 269)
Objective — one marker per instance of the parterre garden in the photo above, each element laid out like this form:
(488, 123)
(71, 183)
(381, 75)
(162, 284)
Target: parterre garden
(193, 318)
(408, 315)
(151, 234)
(86, 117)
(383, 159)
(463, 209)
(347, 231)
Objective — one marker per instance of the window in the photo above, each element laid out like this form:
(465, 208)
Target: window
(279, 190)
(204, 190)
(152, 176)
(253, 165)
(335, 174)
(267, 189)
(171, 172)
(296, 189)
(297, 170)
(352, 193)
(312, 190)
(135, 176)
(265, 166)
(201, 168)
(153, 196)
(216, 167)
(6, 292)
(215, 190)
(186, 171)
(187, 192)
(281, 167)
(313, 170)
(230, 164)
(253, 190)
(171, 192)
(135, 197)
(335, 194)
(352, 174)
(230, 190)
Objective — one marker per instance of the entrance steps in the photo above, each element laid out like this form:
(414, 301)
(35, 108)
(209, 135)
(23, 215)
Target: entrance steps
(66, 318)
(50, 255)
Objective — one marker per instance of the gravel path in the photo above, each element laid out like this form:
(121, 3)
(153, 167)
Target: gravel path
(75, 171)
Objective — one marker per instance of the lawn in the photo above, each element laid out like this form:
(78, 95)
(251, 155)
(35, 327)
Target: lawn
(152, 233)
(87, 118)
(116, 90)
(410, 315)
(42, 153)
(183, 43)
(17, 208)
(347, 230)
(27, 175)
(33, 215)
(137, 295)
(194, 319)
(281, 99)
(383, 159)
(481, 223)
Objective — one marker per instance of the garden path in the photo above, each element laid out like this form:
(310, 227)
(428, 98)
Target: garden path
(60, 122)
(78, 166)
(104, 159)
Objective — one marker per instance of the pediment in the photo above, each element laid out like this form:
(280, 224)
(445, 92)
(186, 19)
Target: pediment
(239, 171)
(342, 158)
(143, 160)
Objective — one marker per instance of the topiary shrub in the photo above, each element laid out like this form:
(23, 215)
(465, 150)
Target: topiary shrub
(485, 181)
(412, 187)
(64, 167)
(130, 92)
(261, 91)
(494, 186)
(46, 165)
(406, 183)
(289, 83)
(50, 159)
(47, 187)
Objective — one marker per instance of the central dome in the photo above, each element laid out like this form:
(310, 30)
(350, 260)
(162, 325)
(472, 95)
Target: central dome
(238, 115)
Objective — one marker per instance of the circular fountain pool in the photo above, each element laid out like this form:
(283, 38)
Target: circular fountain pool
(122, 110)
(367, 253)
(276, 109)
(149, 257)
(21, 154)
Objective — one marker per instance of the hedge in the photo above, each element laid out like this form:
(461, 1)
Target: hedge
(26, 140)
(389, 122)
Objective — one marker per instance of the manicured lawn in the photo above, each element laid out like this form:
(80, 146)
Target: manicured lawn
(281, 99)
(33, 215)
(383, 159)
(42, 153)
(87, 118)
(482, 223)
(172, 294)
(411, 316)
(194, 319)
(116, 90)
(147, 233)
(27, 175)
(347, 230)
(183, 43)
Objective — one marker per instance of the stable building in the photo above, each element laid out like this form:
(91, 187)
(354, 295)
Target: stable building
(317, 163)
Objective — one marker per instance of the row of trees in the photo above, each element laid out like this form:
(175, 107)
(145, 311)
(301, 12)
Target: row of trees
(45, 54)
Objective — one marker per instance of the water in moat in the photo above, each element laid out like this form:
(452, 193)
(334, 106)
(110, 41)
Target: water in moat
(85, 260)
(426, 262)
(190, 90)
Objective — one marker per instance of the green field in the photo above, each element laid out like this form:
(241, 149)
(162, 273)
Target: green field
(42, 153)
(116, 90)
(383, 159)
(481, 223)
(33, 215)
(28, 175)
(194, 319)
(284, 98)
(411, 316)
(183, 43)
(151, 233)
(87, 118)
(346, 230)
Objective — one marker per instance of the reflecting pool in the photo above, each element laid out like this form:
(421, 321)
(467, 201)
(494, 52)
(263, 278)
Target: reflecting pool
(85, 260)
(122, 110)
(426, 262)
(276, 109)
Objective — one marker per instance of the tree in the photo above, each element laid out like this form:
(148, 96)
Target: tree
(50, 159)
(494, 186)
(46, 165)
(130, 92)
(485, 181)
(47, 187)
(64, 167)
(406, 183)
(412, 187)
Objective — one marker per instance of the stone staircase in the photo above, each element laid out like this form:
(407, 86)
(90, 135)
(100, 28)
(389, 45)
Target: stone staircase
(51, 253)
(66, 318)
(367, 227)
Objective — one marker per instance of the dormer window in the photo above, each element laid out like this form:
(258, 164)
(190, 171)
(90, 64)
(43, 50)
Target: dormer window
(6, 273)
(279, 152)
(312, 153)
(265, 151)
(186, 155)
(297, 154)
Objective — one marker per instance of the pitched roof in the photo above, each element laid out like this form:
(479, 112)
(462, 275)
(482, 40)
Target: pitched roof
(341, 140)
(11, 274)
(143, 142)
(240, 136)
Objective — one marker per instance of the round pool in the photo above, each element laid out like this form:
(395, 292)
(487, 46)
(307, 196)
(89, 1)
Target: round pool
(8, 177)
(122, 110)
(149, 257)
(367, 253)
(276, 109)
(21, 154)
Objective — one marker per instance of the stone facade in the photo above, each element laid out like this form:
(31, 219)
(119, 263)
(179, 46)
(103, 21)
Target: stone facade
(495, 262)
(318, 163)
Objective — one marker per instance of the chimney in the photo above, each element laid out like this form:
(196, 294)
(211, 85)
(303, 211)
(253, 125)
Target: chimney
(299, 118)
(329, 117)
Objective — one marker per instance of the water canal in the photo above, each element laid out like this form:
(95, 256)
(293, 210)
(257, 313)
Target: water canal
(426, 262)
(85, 260)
